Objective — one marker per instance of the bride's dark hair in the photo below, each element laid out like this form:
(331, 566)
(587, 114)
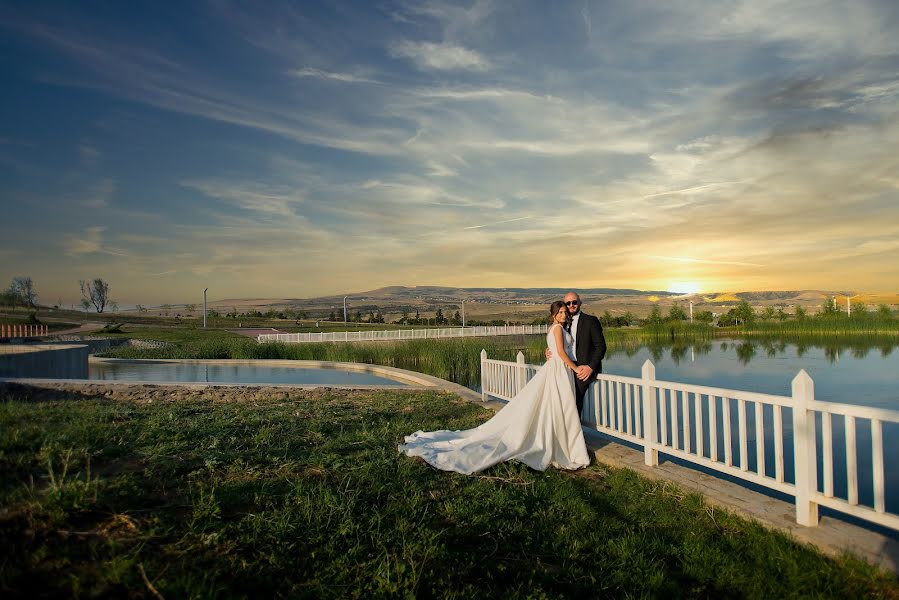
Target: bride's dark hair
(554, 310)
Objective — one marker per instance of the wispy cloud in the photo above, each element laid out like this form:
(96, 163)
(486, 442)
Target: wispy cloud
(328, 75)
(90, 155)
(684, 259)
(89, 241)
(440, 57)
(99, 194)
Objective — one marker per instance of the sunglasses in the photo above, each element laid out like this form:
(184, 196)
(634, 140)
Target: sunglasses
(572, 302)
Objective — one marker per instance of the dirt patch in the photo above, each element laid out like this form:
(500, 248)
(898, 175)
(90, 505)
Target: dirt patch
(150, 393)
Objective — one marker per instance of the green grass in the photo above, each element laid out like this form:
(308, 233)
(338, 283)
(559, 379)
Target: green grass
(306, 496)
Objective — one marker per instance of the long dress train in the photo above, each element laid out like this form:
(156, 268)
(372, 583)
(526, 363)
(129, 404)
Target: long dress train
(539, 427)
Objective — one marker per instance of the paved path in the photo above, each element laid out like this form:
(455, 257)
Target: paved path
(85, 328)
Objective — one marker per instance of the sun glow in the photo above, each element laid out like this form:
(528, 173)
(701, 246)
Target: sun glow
(683, 287)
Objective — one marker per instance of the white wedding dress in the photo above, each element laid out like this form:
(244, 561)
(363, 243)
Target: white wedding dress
(539, 427)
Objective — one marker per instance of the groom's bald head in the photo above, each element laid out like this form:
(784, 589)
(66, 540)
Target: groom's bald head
(572, 302)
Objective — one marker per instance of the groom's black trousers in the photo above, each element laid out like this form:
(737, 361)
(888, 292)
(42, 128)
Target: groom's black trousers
(580, 391)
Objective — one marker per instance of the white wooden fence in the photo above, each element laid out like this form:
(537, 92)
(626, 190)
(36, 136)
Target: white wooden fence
(400, 334)
(729, 430)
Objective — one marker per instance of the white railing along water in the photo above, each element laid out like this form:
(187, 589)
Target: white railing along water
(401, 334)
(781, 443)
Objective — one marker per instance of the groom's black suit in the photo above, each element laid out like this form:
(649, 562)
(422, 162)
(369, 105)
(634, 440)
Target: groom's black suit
(590, 348)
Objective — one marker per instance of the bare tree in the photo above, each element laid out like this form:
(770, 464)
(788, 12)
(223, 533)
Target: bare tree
(22, 290)
(96, 292)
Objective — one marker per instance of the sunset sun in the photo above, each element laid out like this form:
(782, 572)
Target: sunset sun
(683, 287)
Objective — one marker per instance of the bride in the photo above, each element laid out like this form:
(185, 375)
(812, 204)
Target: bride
(539, 427)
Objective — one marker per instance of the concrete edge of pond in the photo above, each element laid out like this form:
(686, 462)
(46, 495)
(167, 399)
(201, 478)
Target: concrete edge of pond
(414, 380)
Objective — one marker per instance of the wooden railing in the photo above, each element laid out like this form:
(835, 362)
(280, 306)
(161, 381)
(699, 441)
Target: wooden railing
(760, 438)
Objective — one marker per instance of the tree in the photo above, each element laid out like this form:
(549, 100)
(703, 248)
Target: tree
(859, 310)
(114, 306)
(829, 307)
(457, 319)
(744, 313)
(190, 308)
(884, 312)
(781, 315)
(655, 316)
(22, 290)
(96, 292)
(140, 308)
(800, 313)
(769, 314)
(439, 319)
(7, 298)
(332, 316)
(704, 316)
(676, 313)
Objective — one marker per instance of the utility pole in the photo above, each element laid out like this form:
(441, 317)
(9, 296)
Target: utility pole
(204, 308)
(344, 310)
(691, 311)
(463, 313)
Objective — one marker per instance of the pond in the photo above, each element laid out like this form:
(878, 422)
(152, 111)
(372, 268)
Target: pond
(221, 372)
(865, 373)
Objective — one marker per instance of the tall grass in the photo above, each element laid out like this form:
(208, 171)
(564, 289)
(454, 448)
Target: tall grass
(871, 325)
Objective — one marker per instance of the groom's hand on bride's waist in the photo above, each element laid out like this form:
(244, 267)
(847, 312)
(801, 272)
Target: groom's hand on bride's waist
(584, 372)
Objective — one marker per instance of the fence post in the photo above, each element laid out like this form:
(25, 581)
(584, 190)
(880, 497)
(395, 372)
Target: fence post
(483, 375)
(650, 455)
(521, 374)
(804, 450)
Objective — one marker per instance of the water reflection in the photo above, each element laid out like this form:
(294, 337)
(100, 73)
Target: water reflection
(851, 371)
(748, 349)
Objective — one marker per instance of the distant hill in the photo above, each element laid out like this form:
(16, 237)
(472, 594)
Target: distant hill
(512, 293)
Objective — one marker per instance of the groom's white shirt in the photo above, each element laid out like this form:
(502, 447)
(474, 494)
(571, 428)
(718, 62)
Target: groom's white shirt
(574, 321)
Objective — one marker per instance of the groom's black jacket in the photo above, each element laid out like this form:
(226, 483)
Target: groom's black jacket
(590, 347)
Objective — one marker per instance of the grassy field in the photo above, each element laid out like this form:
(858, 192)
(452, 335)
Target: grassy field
(306, 496)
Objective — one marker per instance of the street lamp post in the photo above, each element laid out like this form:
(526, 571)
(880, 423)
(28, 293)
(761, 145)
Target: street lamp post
(463, 313)
(691, 311)
(849, 305)
(204, 307)
(344, 310)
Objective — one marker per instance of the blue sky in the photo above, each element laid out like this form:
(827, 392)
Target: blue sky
(286, 149)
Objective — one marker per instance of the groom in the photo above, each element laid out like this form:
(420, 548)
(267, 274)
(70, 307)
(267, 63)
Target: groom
(589, 347)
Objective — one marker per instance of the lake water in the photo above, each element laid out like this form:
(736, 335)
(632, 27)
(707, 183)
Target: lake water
(862, 373)
(150, 370)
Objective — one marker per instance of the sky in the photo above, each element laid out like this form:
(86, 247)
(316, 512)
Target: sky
(298, 149)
